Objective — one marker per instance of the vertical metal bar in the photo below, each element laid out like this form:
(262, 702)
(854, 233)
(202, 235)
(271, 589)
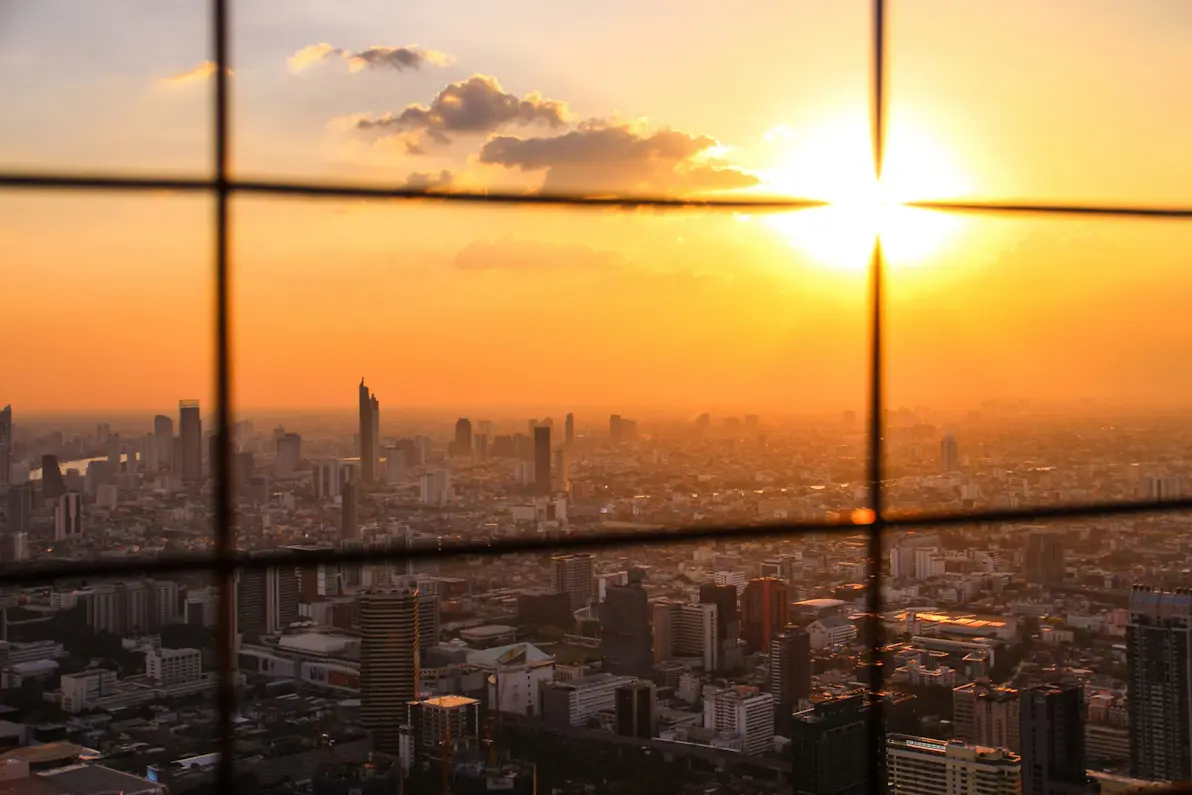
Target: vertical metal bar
(876, 714)
(225, 544)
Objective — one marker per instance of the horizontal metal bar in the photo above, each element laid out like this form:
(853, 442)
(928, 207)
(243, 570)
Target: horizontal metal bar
(37, 181)
(1034, 208)
(896, 520)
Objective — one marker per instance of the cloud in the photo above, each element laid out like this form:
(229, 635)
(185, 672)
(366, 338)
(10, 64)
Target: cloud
(535, 256)
(475, 105)
(430, 182)
(376, 57)
(614, 157)
(199, 74)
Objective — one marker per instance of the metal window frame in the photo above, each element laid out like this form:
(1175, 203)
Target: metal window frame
(228, 561)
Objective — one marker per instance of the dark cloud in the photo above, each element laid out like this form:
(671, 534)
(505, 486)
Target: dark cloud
(475, 105)
(430, 182)
(376, 57)
(535, 256)
(614, 157)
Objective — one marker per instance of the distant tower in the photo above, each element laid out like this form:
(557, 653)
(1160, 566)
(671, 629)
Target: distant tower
(370, 424)
(949, 454)
(463, 437)
(1044, 560)
(163, 432)
(20, 507)
(68, 516)
(390, 671)
(5, 446)
(1052, 737)
(614, 428)
(573, 576)
(53, 485)
(190, 431)
(569, 430)
(542, 461)
(289, 453)
(1158, 661)
(349, 524)
(790, 671)
(625, 640)
(765, 610)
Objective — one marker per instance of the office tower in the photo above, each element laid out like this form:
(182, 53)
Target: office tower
(614, 428)
(148, 454)
(6, 443)
(251, 588)
(542, 462)
(1043, 563)
(625, 640)
(282, 594)
(733, 578)
(349, 519)
(370, 432)
(328, 479)
(569, 430)
(20, 508)
(949, 454)
(572, 575)
(53, 485)
(790, 670)
(395, 466)
(68, 516)
(634, 708)
(986, 714)
(435, 487)
(289, 453)
(725, 599)
(743, 712)
(389, 662)
(439, 720)
(190, 433)
(830, 747)
(765, 610)
(163, 432)
(559, 479)
(163, 604)
(1052, 733)
(1161, 487)
(463, 438)
(1158, 659)
(688, 631)
(923, 766)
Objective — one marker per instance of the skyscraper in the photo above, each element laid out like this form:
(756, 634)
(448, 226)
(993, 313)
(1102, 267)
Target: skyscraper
(1043, 562)
(68, 516)
(634, 709)
(572, 575)
(614, 428)
(728, 625)
(349, 522)
(542, 476)
(20, 508)
(389, 663)
(765, 610)
(190, 431)
(463, 437)
(986, 715)
(625, 640)
(289, 453)
(790, 671)
(370, 433)
(163, 431)
(1158, 659)
(53, 485)
(5, 445)
(949, 454)
(829, 747)
(569, 430)
(1052, 732)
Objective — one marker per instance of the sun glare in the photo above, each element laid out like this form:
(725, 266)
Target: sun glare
(834, 164)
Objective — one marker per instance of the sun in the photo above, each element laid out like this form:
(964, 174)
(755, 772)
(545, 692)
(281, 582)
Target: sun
(833, 163)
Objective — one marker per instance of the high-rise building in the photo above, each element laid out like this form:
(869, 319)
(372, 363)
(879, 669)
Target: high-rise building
(53, 485)
(569, 430)
(435, 487)
(1052, 733)
(463, 438)
(454, 720)
(765, 610)
(725, 599)
(163, 433)
(558, 474)
(635, 709)
(745, 713)
(370, 433)
(923, 766)
(986, 714)
(625, 641)
(190, 433)
(289, 453)
(390, 670)
(349, 519)
(6, 443)
(1159, 664)
(1043, 563)
(542, 462)
(20, 508)
(614, 428)
(949, 454)
(687, 630)
(790, 670)
(251, 598)
(830, 747)
(68, 516)
(572, 575)
(328, 479)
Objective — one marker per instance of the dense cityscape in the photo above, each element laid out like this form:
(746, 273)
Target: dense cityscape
(1016, 658)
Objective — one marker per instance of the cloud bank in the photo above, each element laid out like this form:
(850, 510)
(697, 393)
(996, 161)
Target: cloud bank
(376, 57)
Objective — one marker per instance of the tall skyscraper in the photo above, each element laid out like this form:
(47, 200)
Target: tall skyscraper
(1043, 562)
(625, 640)
(190, 432)
(1158, 659)
(68, 516)
(614, 428)
(542, 462)
(1052, 732)
(289, 453)
(163, 432)
(5, 445)
(370, 432)
(328, 479)
(20, 508)
(53, 485)
(728, 624)
(569, 430)
(829, 747)
(765, 610)
(572, 575)
(389, 663)
(949, 454)
(790, 671)
(463, 438)
(349, 522)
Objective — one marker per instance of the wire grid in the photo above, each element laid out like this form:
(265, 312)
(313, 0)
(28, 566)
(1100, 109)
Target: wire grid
(227, 560)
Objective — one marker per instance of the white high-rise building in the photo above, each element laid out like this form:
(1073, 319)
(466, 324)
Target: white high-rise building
(745, 713)
(736, 578)
(436, 487)
(169, 667)
(923, 766)
(687, 629)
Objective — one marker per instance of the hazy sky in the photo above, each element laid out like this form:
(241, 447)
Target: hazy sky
(107, 298)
